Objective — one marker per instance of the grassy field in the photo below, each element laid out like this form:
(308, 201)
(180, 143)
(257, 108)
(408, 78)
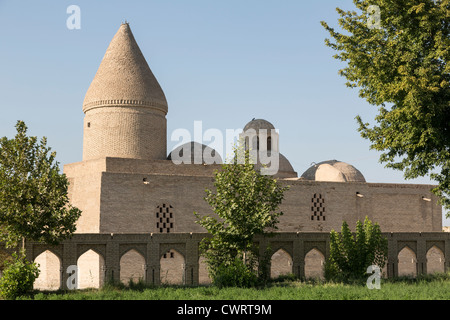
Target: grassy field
(435, 287)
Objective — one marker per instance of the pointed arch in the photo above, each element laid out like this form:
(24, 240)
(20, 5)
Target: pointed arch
(132, 266)
(280, 263)
(49, 275)
(407, 262)
(172, 267)
(314, 261)
(435, 260)
(90, 270)
(97, 249)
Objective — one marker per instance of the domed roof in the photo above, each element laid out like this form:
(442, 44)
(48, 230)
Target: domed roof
(285, 169)
(285, 165)
(257, 124)
(197, 152)
(124, 77)
(333, 170)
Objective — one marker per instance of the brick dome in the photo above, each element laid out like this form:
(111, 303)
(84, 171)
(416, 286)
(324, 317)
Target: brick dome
(197, 152)
(285, 169)
(285, 165)
(258, 124)
(333, 170)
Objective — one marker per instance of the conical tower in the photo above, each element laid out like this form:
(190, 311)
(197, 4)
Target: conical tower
(125, 107)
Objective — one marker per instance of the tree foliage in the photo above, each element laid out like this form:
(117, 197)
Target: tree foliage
(352, 253)
(18, 278)
(245, 203)
(402, 67)
(34, 203)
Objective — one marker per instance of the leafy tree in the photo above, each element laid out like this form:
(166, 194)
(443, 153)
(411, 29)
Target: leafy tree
(351, 254)
(401, 65)
(245, 203)
(34, 203)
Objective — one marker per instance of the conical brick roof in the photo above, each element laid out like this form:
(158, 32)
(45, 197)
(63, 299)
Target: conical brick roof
(124, 77)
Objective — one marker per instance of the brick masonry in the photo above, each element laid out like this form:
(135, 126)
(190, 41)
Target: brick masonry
(153, 249)
(123, 195)
(124, 132)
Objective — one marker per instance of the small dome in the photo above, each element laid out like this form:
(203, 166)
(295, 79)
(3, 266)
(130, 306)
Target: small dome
(333, 170)
(285, 165)
(199, 154)
(285, 169)
(257, 124)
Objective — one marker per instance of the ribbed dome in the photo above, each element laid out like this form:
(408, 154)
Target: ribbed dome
(333, 170)
(197, 151)
(257, 124)
(124, 77)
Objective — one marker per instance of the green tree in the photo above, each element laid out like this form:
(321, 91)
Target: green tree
(401, 65)
(352, 253)
(34, 203)
(246, 204)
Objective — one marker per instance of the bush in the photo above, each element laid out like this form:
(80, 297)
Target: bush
(237, 274)
(351, 254)
(284, 278)
(18, 277)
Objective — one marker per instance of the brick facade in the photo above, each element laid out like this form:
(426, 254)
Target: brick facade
(122, 195)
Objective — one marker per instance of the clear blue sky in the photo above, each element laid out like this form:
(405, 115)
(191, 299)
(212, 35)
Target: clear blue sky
(221, 62)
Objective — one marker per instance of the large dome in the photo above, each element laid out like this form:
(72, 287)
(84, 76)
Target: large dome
(333, 170)
(199, 154)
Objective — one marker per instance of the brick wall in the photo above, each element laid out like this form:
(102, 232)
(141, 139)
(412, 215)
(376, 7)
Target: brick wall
(301, 253)
(123, 195)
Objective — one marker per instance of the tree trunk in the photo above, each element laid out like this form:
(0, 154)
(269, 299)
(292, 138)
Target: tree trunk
(22, 252)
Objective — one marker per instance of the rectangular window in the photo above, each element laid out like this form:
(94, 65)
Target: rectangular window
(164, 218)
(318, 207)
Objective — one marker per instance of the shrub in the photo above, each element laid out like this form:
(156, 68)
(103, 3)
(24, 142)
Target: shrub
(236, 274)
(351, 254)
(18, 277)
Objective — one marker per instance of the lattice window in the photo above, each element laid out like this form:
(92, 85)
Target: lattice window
(164, 218)
(318, 207)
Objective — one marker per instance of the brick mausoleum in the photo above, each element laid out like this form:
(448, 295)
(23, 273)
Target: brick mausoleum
(138, 204)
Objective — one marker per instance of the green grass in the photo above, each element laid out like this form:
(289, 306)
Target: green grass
(436, 287)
